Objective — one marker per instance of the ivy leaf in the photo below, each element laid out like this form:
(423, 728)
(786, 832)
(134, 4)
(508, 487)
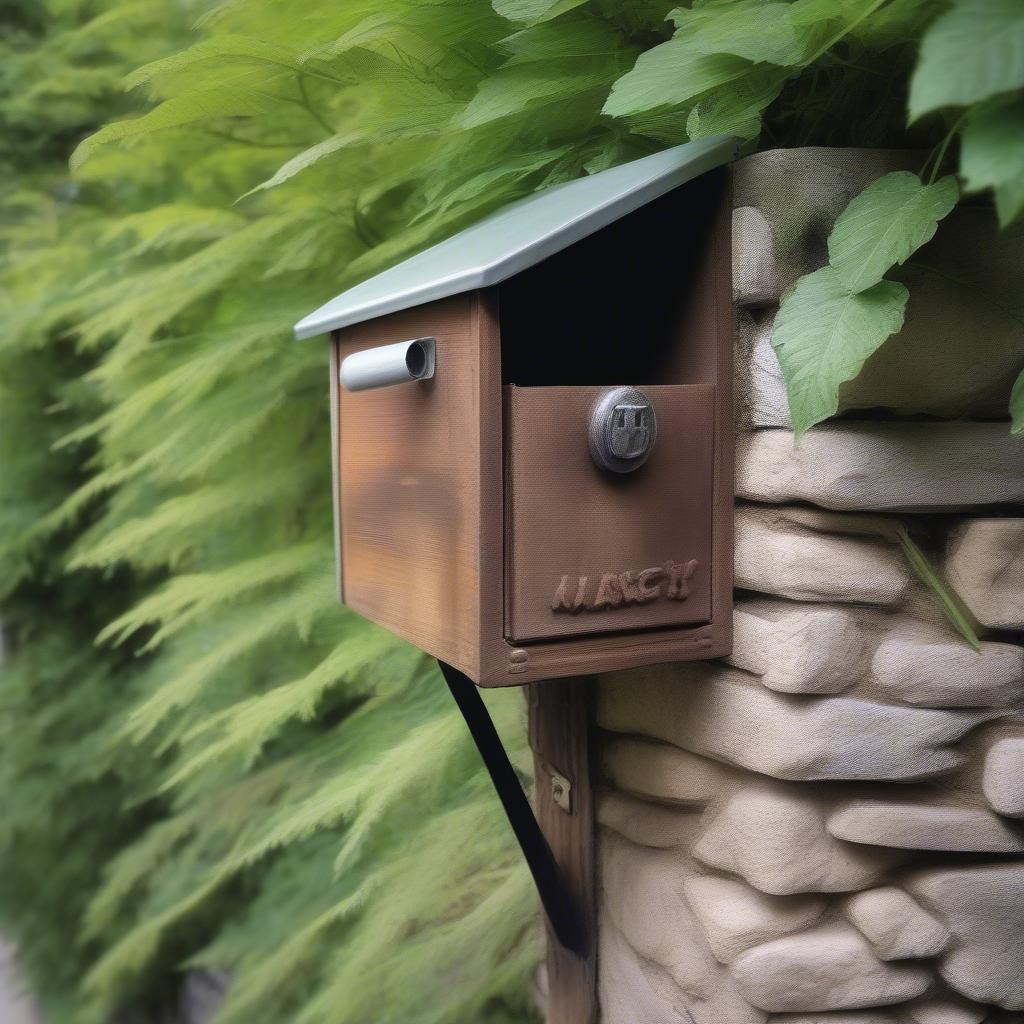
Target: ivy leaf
(824, 333)
(974, 51)
(178, 112)
(515, 89)
(224, 49)
(891, 219)
(563, 41)
(1017, 405)
(670, 75)
(533, 11)
(308, 157)
(757, 31)
(737, 110)
(992, 156)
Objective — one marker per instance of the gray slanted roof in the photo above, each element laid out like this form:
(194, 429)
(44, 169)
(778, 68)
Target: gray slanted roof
(519, 235)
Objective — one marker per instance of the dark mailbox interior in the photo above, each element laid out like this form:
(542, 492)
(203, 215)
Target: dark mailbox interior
(622, 305)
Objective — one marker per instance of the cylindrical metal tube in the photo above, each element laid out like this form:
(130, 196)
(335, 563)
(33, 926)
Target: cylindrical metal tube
(389, 364)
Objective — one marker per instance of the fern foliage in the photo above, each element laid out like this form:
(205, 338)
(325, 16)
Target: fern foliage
(206, 762)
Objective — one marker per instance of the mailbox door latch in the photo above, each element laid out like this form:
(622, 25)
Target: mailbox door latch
(622, 431)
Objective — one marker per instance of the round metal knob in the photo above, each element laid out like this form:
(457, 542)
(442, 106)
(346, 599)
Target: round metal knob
(623, 429)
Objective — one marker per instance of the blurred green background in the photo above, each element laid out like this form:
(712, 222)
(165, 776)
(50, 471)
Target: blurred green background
(204, 760)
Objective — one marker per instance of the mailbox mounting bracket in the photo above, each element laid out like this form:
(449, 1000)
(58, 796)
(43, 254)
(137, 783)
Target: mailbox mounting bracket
(560, 904)
(557, 843)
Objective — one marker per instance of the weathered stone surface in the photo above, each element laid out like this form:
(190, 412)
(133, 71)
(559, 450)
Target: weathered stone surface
(16, 1005)
(804, 650)
(661, 771)
(917, 466)
(631, 990)
(756, 277)
(985, 565)
(202, 995)
(919, 664)
(896, 926)
(775, 555)
(957, 354)
(841, 1017)
(736, 917)
(828, 968)
(726, 714)
(799, 193)
(760, 399)
(774, 836)
(642, 893)
(983, 906)
(645, 823)
(924, 825)
(945, 1011)
(1003, 780)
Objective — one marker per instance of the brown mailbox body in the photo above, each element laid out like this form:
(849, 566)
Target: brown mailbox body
(471, 518)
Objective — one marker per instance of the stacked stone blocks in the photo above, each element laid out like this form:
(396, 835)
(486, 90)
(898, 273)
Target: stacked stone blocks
(829, 827)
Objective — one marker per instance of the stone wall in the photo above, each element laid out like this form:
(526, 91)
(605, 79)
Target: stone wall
(829, 827)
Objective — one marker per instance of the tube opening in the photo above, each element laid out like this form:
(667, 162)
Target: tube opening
(416, 360)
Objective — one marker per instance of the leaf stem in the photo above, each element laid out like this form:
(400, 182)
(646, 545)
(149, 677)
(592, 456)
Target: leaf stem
(949, 601)
(942, 149)
(845, 31)
(308, 105)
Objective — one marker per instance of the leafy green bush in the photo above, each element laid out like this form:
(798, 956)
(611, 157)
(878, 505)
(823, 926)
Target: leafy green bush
(241, 774)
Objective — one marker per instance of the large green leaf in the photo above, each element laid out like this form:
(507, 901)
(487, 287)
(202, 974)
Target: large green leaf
(179, 111)
(737, 110)
(514, 90)
(823, 333)
(534, 11)
(1017, 405)
(974, 51)
(669, 75)
(892, 218)
(992, 156)
(757, 31)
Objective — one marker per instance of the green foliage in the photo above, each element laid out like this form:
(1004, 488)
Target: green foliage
(824, 332)
(1017, 404)
(833, 319)
(207, 761)
(993, 156)
(952, 607)
(971, 53)
(891, 219)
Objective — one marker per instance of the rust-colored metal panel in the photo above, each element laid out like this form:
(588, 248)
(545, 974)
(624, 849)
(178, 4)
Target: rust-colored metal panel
(593, 551)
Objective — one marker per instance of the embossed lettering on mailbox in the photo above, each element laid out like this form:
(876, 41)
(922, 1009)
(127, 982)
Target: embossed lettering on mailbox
(621, 589)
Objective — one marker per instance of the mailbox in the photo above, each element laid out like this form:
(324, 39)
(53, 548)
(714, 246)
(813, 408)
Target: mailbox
(532, 426)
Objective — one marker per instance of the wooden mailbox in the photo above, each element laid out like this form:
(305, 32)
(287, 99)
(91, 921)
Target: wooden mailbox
(549, 492)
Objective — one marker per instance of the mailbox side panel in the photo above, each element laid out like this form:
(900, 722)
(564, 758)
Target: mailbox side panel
(410, 491)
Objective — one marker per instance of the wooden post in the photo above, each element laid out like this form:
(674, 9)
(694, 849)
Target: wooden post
(559, 738)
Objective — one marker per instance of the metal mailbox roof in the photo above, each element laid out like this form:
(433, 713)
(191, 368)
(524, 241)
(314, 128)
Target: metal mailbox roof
(519, 235)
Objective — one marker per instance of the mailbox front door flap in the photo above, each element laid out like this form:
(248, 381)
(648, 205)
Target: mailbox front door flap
(594, 551)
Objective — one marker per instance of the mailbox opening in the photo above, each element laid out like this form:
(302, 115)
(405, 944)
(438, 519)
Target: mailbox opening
(619, 306)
